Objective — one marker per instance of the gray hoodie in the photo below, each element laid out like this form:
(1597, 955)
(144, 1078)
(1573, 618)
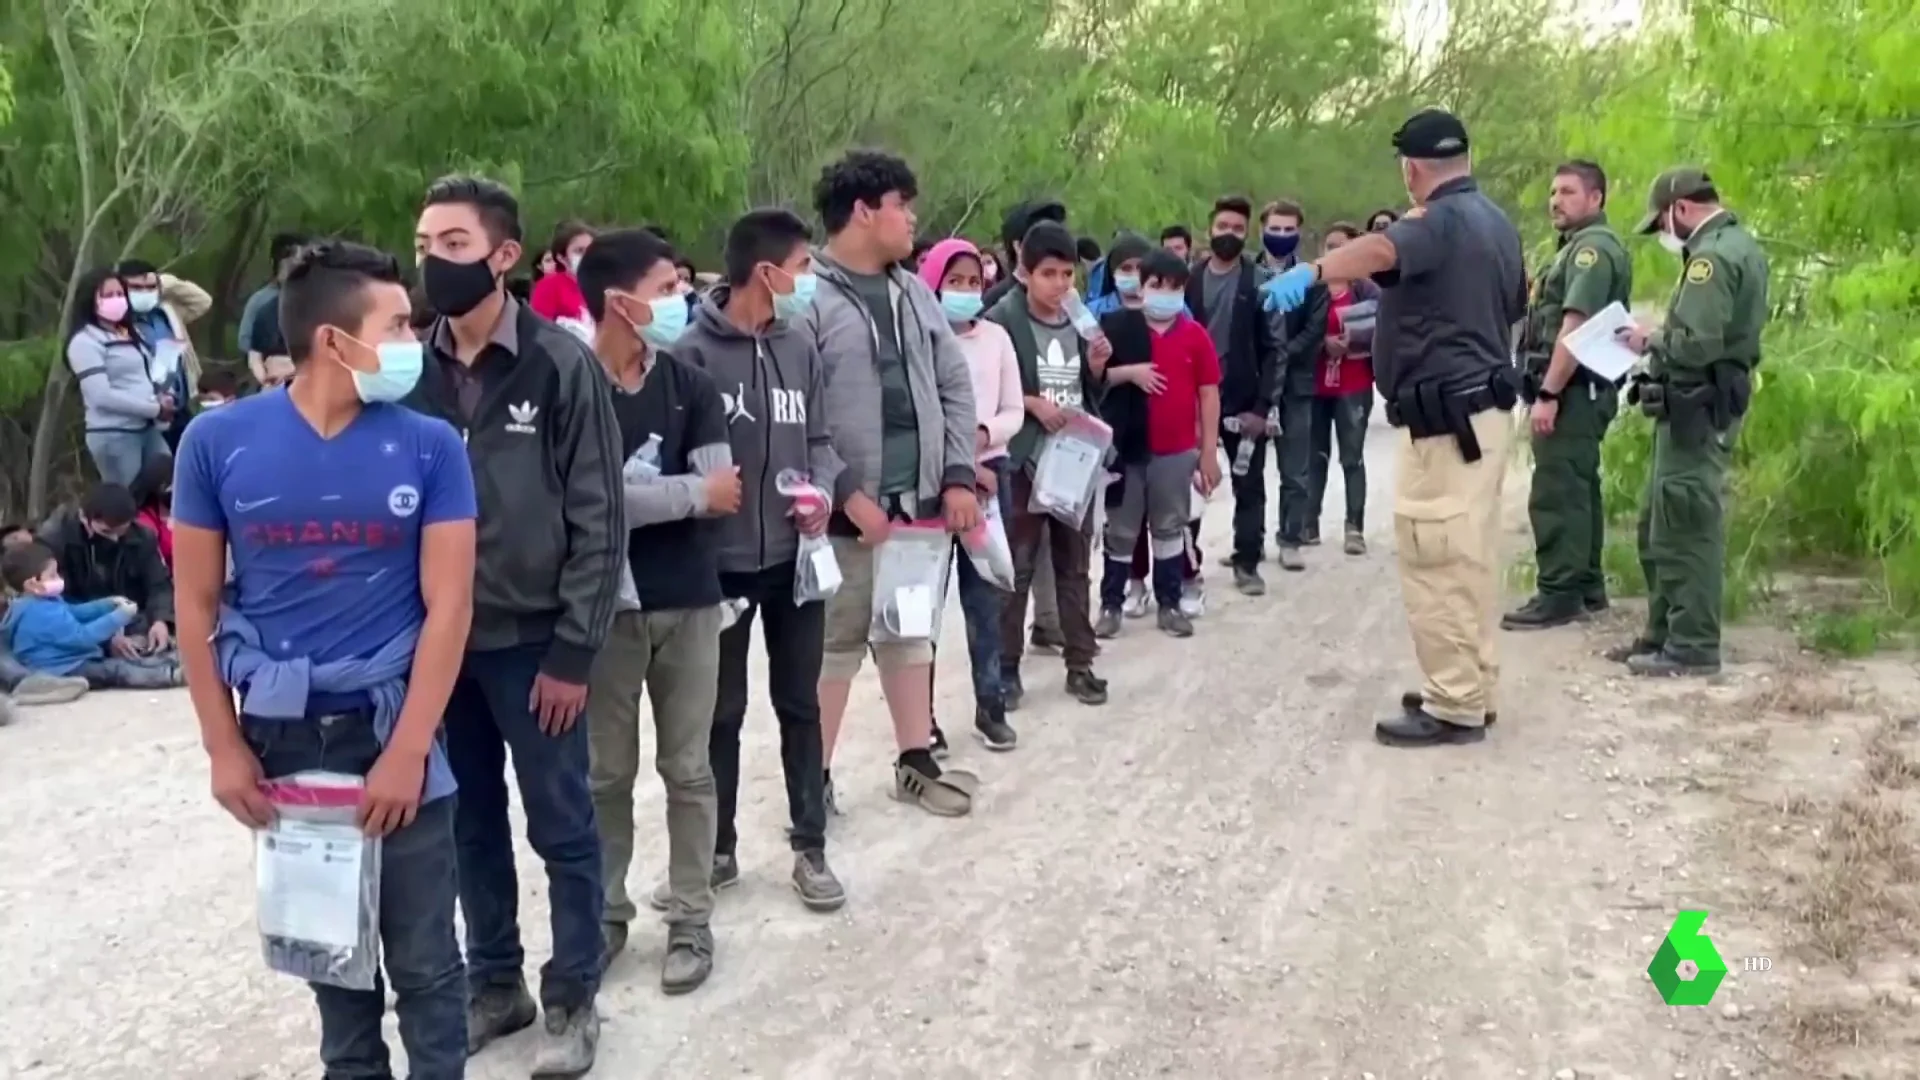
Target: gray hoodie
(937, 374)
(774, 389)
(114, 382)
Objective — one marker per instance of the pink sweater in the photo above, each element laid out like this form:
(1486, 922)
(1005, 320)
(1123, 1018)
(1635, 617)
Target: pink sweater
(997, 401)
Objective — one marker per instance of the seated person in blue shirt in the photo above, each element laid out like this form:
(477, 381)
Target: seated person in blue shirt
(49, 636)
(17, 682)
(351, 521)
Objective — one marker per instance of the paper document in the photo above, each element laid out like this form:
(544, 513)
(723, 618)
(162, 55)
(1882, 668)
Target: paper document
(1597, 346)
(309, 882)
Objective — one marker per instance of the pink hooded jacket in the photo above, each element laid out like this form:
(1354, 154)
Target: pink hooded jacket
(997, 399)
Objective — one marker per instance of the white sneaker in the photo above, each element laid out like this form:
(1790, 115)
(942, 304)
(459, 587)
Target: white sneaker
(1193, 598)
(1139, 600)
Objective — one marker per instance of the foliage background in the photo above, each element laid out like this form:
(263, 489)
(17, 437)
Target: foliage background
(190, 130)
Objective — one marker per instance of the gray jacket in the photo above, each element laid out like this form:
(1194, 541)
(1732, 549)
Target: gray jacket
(115, 385)
(937, 374)
(774, 389)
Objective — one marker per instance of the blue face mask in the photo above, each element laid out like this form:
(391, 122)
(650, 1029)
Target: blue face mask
(1280, 245)
(670, 315)
(400, 364)
(786, 306)
(1128, 284)
(1163, 306)
(960, 306)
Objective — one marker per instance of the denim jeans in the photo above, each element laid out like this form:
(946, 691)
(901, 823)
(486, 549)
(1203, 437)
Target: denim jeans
(981, 602)
(488, 717)
(1295, 453)
(120, 455)
(419, 948)
(1341, 422)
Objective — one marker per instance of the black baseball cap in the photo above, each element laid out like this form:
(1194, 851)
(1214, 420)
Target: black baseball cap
(1431, 134)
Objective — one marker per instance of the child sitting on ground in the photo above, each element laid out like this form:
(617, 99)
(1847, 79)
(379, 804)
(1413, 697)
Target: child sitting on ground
(52, 637)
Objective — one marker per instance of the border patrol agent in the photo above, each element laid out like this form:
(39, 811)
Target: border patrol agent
(1697, 386)
(1454, 286)
(1571, 406)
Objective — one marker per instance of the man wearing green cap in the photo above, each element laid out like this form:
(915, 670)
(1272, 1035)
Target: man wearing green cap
(1570, 406)
(1697, 387)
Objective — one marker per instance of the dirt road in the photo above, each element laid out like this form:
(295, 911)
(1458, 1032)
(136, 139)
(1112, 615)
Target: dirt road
(1218, 874)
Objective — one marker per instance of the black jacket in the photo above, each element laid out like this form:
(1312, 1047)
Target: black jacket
(96, 568)
(545, 449)
(1306, 332)
(1249, 366)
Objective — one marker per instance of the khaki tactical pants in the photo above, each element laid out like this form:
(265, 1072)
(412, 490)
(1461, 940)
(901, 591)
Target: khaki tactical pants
(1446, 519)
(1683, 541)
(674, 656)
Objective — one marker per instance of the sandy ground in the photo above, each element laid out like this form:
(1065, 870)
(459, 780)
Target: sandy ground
(1218, 874)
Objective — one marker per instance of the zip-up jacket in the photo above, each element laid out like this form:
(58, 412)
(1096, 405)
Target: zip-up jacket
(115, 388)
(774, 387)
(1250, 365)
(1010, 314)
(99, 569)
(937, 375)
(545, 449)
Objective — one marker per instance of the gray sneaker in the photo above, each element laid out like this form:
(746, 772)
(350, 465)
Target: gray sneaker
(1248, 581)
(726, 872)
(813, 879)
(689, 959)
(1108, 625)
(568, 1043)
(1356, 542)
(37, 689)
(1290, 558)
(497, 1011)
(7, 713)
(1174, 622)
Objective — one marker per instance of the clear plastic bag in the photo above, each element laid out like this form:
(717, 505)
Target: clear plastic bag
(910, 582)
(1069, 469)
(816, 570)
(644, 465)
(317, 882)
(988, 549)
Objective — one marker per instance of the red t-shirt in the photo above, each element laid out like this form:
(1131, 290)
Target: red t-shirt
(557, 296)
(1351, 373)
(1184, 357)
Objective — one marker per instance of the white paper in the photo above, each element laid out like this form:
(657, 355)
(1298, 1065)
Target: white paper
(308, 876)
(1595, 344)
(826, 569)
(1066, 471)
(913, 611)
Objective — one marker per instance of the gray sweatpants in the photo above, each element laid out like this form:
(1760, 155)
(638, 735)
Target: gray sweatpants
(674, 657)
(1156, 496)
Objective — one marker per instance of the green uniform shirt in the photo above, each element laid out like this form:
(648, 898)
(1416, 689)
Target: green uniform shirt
(1718, 307)
(1590, 271)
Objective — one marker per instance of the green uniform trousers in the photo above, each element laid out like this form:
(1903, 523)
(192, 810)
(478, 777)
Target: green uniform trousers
(1565, 505)
(1683, 541)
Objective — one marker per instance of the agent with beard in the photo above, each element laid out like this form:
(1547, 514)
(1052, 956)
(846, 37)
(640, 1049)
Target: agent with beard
(536, 412)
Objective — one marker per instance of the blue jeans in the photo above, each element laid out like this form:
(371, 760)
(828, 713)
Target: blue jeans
(980, 602)
(487, 717)
(419, 948)
(120, 455)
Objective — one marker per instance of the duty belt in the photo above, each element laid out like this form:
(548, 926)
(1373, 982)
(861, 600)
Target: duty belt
(1429, 409)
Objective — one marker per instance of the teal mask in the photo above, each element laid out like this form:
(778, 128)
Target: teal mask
(400, 364)
(960, 306)
(669, 321)
(1128, 284)
(786, 306)
(1163, 306)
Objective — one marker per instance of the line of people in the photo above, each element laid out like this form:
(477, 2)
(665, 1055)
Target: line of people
(491, 537)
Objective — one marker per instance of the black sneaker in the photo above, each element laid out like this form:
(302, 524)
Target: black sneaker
(939, 746)
(1046, 642)
(1011, 691)
(990, 723)
(1541, 613)
(1411, 702)
(613, 937)
(1086, 688)
(831, 800)
(1248, 581)
(497, 1011)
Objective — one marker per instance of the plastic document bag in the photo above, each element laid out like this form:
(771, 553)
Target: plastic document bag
(1069, 468)
(910, 582)
(317, 879)
(988, 549)
(816, 571)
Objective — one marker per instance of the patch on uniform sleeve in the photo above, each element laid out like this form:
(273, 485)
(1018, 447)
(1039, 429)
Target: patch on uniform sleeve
(1699, 271)
(1585, 257)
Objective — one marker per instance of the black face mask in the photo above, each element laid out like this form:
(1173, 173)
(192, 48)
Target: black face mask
(1226, 245)
(456, 288)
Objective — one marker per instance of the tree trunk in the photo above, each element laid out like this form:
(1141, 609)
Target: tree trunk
(47, 430)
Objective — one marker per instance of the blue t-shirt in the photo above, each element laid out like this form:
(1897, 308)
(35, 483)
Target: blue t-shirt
(325, 533)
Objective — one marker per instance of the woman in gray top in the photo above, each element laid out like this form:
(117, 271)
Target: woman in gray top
(124, 411)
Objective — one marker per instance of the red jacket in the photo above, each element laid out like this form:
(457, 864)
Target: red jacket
(156, 522)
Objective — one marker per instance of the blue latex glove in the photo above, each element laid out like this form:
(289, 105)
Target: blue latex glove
(1288, 289)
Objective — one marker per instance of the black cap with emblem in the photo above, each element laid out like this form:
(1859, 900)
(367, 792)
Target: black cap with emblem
(1431, 134)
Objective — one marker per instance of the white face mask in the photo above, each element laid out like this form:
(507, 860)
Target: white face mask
(1672, 243)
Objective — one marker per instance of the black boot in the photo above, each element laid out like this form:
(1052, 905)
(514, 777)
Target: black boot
(1421, 728)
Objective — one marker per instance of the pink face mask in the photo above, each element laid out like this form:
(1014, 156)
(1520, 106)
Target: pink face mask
(111, 308)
